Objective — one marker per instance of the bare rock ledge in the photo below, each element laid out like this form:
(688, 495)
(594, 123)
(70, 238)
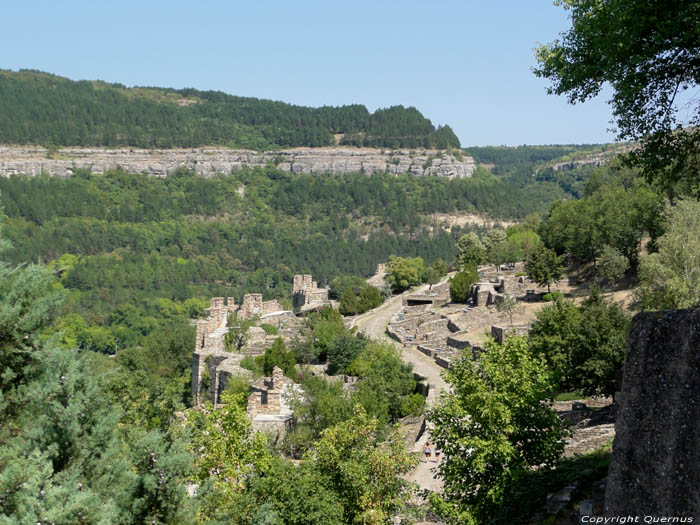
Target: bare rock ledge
(34, 160)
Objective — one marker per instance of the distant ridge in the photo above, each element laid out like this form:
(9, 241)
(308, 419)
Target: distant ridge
(44, 109)
(207, 162)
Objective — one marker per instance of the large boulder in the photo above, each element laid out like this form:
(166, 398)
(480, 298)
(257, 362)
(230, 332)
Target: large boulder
(655, 468)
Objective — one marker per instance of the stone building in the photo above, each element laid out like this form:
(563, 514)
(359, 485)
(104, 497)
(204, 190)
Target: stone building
(307, 295)
(268, 403)
(487, 293)
(253, 305)
(436, 295)
(212, 364)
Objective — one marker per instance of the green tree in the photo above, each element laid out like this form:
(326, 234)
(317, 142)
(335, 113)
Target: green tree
(286, 494)
(64, 456)
(369, 298)
(600, 347)
(544, 267)
(492, 238)
(325, 326)
(612, 265)
(431, 276)
(440, 266)
(237, 335)
(278, 355)
(365, 474)
(227, 451)
(461, 283)
(349, 303)
(583, 345)
(670, 278)
(342, 351)
(493, 427)
(508, 306)
(647, 52)
(404, 272)
(387, 383)
(322, 405)
(471, 251)
(552, 337)
(571, 228)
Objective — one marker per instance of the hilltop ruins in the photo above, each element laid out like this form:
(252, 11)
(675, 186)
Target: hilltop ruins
(213, 364)
(307, 296)
(443, 335)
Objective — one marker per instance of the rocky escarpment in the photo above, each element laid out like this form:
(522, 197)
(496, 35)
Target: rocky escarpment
(32, 160)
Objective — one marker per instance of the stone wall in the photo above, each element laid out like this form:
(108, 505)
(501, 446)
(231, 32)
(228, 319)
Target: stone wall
(501, 333)
(457, 343)
(655, 467)
(253, 305)
(33, 160)
(217, 315)
(305, 292)
(210, 356)
(436, 295)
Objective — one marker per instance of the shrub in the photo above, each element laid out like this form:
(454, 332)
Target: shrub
(249, 363)
(460, 284)
(549, 297)
(343, 351)
(412, 405)
(269, 329)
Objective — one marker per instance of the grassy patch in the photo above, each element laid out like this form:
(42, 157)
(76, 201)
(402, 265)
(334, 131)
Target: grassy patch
(569, 396)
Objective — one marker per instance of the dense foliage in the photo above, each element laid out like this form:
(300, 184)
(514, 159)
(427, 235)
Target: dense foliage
(72, 451)
(354, 294)
(648, 52)
(461, 283)
(65, 456)
(670, 278)
(585, 345)
(493, 427)
(386, 388)
(508, 159)
(39, 108)
(617, 210)
(544, 267)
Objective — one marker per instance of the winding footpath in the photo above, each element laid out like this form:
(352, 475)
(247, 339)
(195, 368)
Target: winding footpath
(373, 324)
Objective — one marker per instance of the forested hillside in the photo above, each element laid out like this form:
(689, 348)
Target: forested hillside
(40, 108)
(124, 238)
(506, 159)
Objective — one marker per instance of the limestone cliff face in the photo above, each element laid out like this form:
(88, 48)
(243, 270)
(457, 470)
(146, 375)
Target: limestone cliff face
(33, 160)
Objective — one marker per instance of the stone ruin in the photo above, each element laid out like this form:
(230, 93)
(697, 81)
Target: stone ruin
(429, 331)
(268, 403)
(443, 335)
(655, 466)
(487, 293)
(253, 305)
(501, 333)
(212, 364)
(306, 295)
(436, 295)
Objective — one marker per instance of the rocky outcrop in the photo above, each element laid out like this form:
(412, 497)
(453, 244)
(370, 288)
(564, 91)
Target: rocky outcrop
(655, 467)
(33, 160)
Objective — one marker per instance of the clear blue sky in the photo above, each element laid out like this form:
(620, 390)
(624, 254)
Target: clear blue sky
(462, 63)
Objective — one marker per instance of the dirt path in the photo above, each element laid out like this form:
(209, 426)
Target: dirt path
(373, 324)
